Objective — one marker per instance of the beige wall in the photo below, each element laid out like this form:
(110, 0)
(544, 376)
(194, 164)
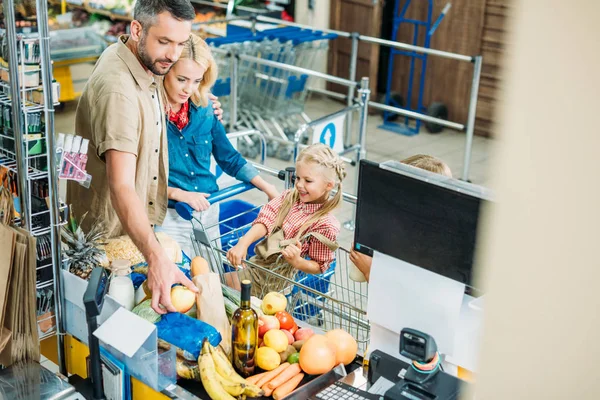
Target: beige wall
(319, 19)
(541, 262)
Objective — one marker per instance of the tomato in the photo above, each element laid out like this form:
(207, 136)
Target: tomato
(285, 320)
(294, 328)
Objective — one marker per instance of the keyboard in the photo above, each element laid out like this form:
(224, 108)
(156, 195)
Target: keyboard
(343, 391)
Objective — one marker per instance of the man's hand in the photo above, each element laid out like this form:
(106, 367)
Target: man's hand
(162, 275)
(196, 200)
(216, 106)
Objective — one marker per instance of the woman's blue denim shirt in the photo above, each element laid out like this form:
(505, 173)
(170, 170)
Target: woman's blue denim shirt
(190, 150)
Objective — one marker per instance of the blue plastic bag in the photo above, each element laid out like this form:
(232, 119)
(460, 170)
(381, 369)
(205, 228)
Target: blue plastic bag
(187, 333)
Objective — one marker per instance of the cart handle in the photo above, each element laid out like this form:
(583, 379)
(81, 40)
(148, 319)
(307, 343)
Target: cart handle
(186, 212)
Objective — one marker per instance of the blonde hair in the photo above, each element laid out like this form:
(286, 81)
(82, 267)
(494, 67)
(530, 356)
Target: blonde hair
(428, 163)
(335, 171)
(197, 50)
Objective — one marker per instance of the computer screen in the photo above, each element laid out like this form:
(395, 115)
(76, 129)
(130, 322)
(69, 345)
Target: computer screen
(422, 218)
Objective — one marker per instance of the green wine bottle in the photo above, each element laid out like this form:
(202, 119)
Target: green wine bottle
(244, 334)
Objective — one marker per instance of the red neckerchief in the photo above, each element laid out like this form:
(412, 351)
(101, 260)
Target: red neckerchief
(181, 117)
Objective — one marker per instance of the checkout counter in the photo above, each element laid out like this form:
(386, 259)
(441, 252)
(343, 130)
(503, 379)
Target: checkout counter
(420, 229)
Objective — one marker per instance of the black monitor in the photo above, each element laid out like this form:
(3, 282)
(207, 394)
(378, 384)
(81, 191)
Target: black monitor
(423, 218)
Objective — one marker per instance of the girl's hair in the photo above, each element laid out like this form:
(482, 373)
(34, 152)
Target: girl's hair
(428, 163)
(334, 171)
(197, 50)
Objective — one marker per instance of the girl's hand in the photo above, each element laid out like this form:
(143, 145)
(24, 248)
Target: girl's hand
(292, 252)
(216, 106)
(196, 200)
(236, 254)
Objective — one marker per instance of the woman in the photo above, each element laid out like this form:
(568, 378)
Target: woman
(194, 135)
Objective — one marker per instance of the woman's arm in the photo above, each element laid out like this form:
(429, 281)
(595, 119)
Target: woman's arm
(195, 200)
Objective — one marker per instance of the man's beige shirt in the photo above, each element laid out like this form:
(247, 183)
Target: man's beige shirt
(117, 112)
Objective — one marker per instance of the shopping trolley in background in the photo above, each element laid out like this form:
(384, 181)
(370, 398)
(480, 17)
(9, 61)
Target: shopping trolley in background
(325, 301)
(270, 99)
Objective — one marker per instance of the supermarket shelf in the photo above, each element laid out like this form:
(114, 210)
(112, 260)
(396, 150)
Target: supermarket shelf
(114, 15)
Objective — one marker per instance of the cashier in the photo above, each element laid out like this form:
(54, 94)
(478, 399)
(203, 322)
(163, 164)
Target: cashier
(122, 115)
(428, 163)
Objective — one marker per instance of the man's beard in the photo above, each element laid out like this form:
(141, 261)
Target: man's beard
(148, 62)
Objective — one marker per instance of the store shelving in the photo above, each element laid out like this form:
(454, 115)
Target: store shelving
(28, 152)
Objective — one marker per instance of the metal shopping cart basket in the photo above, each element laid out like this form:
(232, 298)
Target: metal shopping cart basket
(324, 301)
(270, 99)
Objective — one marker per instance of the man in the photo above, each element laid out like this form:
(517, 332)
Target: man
(121, 112)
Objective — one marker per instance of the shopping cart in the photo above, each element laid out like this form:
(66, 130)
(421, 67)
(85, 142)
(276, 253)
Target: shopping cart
(270, 99)
(324, 301)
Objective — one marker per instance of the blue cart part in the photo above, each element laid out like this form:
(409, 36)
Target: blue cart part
(408, 127)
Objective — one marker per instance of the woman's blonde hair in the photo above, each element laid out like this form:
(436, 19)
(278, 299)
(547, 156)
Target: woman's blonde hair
(197, 50)
(335, 171)
(428, 163)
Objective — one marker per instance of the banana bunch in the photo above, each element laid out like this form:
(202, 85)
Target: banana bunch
(219, 379)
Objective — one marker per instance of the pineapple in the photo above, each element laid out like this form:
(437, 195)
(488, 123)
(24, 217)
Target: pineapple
(85, 250)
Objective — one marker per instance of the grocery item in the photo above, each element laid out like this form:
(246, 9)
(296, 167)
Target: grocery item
(298, 344)
(287, 353)
(303, 334)
(208, 376)
(267, 323)
(225, 370)
(187, 369)
(276, 339)
(186, 333)
(267, 358)
(124, 249)
(210, 306)
(317, 355)
(272, 374)
(255, 378)
(286, 321)
(145, 310)
(294, 358)
(244, 334)
(289, 336)
(199, 266)
(345, 345)
(291, 371)
(288, 387)
(142, 293)
(274, 302)
(121, 286)
(182, 298)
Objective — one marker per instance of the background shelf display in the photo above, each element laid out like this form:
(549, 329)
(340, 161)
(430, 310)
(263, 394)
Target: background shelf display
(28, 159)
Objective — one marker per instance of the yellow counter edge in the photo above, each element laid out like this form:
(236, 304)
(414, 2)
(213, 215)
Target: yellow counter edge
(76, 354)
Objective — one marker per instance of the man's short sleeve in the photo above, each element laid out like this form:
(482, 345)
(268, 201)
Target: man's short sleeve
(115, 123)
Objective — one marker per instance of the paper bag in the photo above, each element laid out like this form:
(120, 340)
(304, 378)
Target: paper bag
(7, 248)
(210, 307)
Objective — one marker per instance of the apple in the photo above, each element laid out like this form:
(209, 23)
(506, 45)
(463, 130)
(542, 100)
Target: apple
(289, 336)
(303, 333)
(266, 323)
(182, 299)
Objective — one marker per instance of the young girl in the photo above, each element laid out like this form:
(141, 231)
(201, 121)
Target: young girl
(301, 217)
(194, 135)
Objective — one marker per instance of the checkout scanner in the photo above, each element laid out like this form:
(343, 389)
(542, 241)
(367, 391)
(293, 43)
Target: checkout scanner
(424, 221)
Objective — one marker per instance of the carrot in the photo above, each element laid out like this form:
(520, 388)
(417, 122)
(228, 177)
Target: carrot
(288, 387)
(271, 374)
(255, 378)
(284, 376)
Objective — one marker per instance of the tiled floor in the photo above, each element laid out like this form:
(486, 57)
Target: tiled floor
(382, 145)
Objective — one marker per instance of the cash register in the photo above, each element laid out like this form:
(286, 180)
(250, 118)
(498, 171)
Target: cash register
(429, 222)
